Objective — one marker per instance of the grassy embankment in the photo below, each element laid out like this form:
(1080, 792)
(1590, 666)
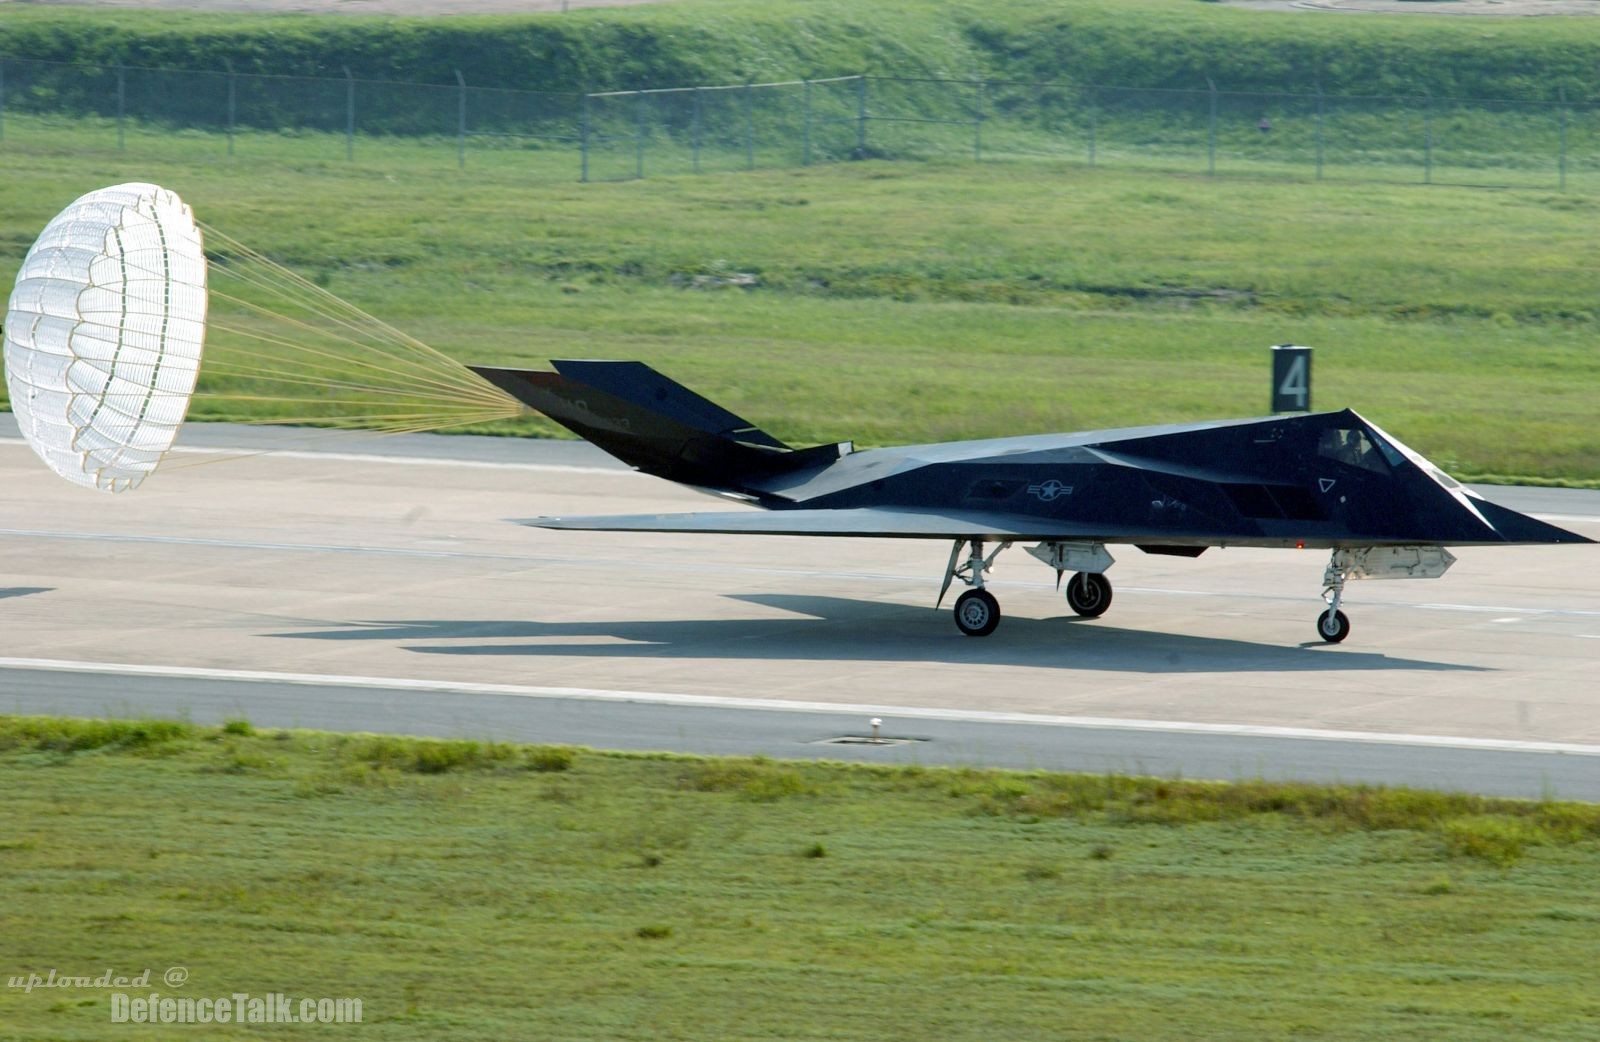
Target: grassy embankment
(471, 890)
(1171, 44)
(1159, 44)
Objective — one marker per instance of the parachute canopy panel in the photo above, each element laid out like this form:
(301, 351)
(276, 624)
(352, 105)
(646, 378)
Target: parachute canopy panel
(104, 332)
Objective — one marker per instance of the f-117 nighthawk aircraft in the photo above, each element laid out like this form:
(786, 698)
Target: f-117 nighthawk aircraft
(1328, 480)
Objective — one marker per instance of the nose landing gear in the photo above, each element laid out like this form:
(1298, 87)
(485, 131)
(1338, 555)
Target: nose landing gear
(1373, 562)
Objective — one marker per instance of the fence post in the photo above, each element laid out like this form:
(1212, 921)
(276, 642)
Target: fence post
(861, 117)
(2, 99)
(805, 150)
(1319, 130)
(461, 121)
(349, 114)
(1427, 140)
(122, 100)
(1094, 101)
(638, 134)
(694, 129)
(1211, 130)
(977, 122)
(232, 101)
(1561, 163)
(583, 139)
(749, 126)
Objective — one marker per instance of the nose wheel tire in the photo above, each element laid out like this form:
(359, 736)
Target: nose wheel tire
(1332, 626)
(977, 613)
(1089, 594)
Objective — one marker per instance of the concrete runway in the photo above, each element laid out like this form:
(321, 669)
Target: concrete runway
(379, 560)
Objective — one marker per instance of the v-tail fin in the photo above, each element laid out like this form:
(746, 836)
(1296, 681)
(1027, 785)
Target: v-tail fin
(656, 424)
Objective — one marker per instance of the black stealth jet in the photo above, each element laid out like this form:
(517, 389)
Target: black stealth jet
(1325, 480)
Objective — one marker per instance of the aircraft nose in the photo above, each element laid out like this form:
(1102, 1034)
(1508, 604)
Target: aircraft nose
(1520, 528)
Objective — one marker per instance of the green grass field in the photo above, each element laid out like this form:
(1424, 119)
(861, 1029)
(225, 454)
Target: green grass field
(466, 890)
(910, 301)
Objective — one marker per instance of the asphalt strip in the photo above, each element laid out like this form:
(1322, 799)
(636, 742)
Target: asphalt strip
(787, 705)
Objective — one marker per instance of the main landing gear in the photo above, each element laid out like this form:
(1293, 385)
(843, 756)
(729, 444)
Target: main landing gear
(978, 613)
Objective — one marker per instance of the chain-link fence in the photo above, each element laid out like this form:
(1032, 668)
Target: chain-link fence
(610, 135)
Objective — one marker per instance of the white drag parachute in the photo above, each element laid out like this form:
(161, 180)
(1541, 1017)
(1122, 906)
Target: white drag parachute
(104, 332)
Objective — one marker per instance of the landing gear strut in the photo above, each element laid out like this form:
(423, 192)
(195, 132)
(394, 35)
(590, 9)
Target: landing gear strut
(1332, 625)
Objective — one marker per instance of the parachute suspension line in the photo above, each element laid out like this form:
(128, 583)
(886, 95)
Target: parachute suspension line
(333, 344)
(444, 391)
(454, 375)
(334, 380)
(331, 298)
(336, 308)
(350, 316)
(430, 375)
(230, 396)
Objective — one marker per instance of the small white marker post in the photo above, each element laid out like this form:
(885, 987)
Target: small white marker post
(877, 722)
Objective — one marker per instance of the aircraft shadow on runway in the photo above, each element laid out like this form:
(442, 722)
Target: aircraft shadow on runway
(842, 629)
(23, 591)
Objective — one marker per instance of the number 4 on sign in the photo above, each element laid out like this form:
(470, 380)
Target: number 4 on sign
(1295, 385)
(1291, 378)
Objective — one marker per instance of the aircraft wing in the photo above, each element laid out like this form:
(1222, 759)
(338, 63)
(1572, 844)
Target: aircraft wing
(853, 521)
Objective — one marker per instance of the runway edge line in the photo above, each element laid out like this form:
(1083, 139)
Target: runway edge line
(788, 705)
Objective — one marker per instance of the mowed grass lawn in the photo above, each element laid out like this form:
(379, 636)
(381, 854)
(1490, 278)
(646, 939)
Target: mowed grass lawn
(912, 301)
(470, 890)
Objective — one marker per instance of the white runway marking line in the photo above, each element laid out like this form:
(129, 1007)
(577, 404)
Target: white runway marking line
(792, 706)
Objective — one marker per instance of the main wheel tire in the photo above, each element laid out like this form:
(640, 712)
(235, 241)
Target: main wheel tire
(977, 613)
(1089, 594)
(1332, 626)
